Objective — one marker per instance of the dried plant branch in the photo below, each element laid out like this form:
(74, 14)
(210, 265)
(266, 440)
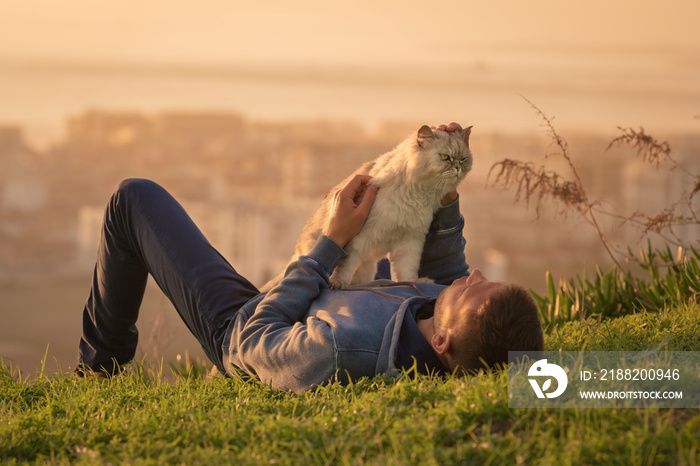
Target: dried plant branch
(649, 148)
(544, 184)
(642, 222)
(662, 222)
(539, 185)
(653, 151)
(549, 184)
(696, 188)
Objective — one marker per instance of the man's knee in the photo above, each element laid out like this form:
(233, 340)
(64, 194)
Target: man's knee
(136, 186)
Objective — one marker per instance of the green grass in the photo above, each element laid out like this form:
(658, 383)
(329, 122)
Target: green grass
(668, 279)
(147, 417)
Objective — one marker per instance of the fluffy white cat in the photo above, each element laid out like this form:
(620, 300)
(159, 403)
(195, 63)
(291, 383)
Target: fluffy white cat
(412, 180)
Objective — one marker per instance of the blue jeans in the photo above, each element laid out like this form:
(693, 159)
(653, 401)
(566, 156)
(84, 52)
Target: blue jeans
(145, 230)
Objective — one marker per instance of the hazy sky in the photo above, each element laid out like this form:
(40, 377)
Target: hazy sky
(373, 31)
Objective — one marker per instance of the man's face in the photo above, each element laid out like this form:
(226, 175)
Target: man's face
(465, 295)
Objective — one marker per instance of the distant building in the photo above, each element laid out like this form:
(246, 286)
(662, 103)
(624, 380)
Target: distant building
(108, 128)
(21, 188)
(89, 231)
(11, 140)
(256, 240)
(193, 134)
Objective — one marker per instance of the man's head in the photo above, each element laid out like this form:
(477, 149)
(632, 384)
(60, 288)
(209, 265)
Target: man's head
(477, 319)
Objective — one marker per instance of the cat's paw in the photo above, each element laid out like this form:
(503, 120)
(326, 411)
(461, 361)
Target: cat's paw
(425, 280)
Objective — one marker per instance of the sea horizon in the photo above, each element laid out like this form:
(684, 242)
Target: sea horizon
(593, 94)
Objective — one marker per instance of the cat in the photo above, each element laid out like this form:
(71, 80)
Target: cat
(412, 179)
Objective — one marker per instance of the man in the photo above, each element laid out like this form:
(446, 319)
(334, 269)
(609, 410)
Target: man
(300, 334)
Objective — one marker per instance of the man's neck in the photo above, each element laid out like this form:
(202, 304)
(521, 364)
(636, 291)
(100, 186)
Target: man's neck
(426, 328)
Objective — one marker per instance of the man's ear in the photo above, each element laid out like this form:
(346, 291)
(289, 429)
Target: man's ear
(440, 343)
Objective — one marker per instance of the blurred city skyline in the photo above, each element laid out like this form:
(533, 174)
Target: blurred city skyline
(207, 96)
(250, 186)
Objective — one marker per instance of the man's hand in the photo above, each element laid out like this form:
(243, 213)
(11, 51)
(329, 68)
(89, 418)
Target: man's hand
(450, 197)
(349, 209)
(449, 128)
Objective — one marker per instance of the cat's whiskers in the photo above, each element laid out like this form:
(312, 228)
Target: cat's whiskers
(439, 187)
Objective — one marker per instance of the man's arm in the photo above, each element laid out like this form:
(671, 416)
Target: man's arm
(443, 258)
(279, 342)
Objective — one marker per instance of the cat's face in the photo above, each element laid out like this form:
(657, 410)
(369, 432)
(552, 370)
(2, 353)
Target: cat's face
(442, 156)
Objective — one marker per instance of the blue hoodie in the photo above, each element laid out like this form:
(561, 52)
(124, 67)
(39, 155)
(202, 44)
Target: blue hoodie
(301, 334)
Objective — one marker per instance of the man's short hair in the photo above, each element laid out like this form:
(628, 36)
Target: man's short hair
(508, 321)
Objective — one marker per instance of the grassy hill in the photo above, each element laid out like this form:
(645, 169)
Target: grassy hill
(145, 417)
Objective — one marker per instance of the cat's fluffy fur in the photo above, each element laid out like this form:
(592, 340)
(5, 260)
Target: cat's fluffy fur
(412, 180)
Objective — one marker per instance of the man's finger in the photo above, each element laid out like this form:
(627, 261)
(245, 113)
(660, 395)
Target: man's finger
(357, 186)
(359, 180)
(368, 199)
(334, 203)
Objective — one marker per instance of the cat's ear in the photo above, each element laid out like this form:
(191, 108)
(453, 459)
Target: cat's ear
(466, 132)
(424, 133)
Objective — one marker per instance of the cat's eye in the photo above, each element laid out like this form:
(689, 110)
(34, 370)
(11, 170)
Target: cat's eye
(444, 156)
